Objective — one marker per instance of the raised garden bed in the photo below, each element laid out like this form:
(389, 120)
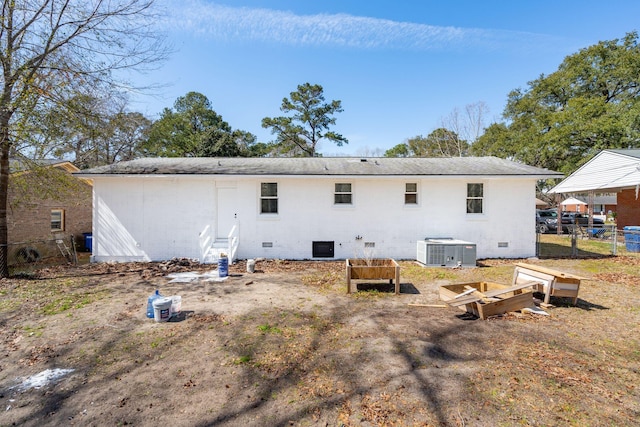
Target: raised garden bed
(552, 283)
(485, 299)
(373, 269)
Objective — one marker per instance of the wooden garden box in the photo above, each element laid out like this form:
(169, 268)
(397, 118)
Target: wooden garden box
(375, 269)
(485, 299)
(550, 282)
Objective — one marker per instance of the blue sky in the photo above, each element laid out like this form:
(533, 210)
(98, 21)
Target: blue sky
(399, 67)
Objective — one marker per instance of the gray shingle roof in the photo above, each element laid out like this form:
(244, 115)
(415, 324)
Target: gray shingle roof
(19, 165)
(633, 152)
(317, 166)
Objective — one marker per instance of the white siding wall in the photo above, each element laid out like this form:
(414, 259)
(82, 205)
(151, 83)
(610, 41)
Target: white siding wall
(160, 218)
(157, 218)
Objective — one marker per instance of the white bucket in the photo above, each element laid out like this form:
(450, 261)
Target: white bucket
(251, 265)
(161, 309)
(176, 305)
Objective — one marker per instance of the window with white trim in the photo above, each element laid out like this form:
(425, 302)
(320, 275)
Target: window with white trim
(411, 193)
(269, 198)
(343, 194)
(475, 196)
(57, 219)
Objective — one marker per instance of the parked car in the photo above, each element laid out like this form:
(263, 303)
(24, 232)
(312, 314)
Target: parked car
(575, 218)
(546, 220)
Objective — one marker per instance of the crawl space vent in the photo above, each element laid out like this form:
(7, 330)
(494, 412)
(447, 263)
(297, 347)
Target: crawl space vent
(322, 249)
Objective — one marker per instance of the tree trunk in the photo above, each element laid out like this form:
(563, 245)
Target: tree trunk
(4, 189)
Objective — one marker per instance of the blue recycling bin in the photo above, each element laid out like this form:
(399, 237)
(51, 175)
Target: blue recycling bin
(88, 241)
(632, 238)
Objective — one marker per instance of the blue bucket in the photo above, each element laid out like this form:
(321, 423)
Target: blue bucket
(223, 266)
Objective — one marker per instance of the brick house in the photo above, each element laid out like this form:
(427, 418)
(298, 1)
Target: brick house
(46, 203)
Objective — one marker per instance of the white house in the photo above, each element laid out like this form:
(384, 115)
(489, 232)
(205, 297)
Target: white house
(310, 208)
(610, 171)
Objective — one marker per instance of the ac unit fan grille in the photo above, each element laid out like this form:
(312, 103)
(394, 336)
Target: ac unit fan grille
(435, 254)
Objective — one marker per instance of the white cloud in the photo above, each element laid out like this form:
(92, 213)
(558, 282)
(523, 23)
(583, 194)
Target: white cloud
(224, 23)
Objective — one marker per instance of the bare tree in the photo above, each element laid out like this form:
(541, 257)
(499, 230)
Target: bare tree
(469, 124)
(51, 48)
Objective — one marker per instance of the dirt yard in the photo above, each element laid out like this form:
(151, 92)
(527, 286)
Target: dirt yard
(286, 346)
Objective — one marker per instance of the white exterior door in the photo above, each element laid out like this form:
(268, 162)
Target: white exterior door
(226, 210)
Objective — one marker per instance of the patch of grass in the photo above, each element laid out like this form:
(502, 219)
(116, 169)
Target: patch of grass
(242, 360)
(156, 342)
(53, 297)
(62, 303)
(267, 328)
(556, 246)
(414, 272)
(9, 304)
(34, 331)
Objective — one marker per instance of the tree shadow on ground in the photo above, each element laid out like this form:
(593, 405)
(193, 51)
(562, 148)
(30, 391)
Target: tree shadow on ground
(356, 349)
(418, 364)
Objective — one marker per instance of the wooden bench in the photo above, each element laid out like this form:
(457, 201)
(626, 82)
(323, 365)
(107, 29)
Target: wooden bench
(550, 282)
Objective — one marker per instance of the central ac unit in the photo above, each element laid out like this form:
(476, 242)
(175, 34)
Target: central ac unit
(446, 252)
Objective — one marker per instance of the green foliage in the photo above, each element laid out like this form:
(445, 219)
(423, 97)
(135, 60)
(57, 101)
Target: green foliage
(439, 143)
(590, 103)
(298, 135)
(41, 182)
(93, 131)
(194, 129)
(400, 150)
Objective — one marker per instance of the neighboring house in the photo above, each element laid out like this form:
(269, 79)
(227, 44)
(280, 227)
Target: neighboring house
(605, 204)
(46, 203)
(573, 205)
(602, 204)
(610, 171)
(310, 208)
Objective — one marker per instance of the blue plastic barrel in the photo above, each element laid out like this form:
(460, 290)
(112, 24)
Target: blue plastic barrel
(88, 241)
(223, 266)
(632, 238)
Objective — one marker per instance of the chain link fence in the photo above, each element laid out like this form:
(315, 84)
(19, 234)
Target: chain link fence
(583, 242)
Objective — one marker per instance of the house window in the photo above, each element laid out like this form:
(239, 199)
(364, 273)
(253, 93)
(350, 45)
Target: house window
(474, 198)
(57, 219)
(342, 195)
(269, 198)
(411, 193)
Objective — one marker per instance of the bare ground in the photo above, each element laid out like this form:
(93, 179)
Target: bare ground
(287, 346)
